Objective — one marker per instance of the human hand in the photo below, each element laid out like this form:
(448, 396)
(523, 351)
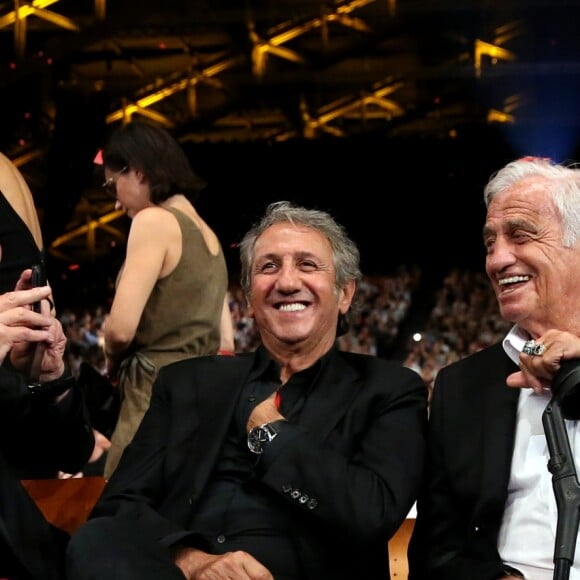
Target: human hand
(537, 372)
(47, 356)
(25, 283)
(102, 444)
(42, 358)
(265, 412)
(52, 363)
(65, 475)
(198, 565)
(20, 325)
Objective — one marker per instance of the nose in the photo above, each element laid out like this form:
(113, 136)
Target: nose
(288, 279)
(499, 256)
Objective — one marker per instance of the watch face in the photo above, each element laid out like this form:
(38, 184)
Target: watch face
(256, 438)
(260, 435)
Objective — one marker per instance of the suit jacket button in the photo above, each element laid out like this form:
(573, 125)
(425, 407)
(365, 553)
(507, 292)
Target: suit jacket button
(286, 488)
(295, 494)
(312, 504)
(303, 499)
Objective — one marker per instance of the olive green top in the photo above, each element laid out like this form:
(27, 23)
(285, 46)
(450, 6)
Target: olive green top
(181, 319)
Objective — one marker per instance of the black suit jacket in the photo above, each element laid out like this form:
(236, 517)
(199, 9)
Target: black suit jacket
(36, 440)
(356, 452)
(470, 444)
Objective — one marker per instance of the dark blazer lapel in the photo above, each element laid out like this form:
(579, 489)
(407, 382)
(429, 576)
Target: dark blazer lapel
(215, 401)
(500, 409)
(335, 387)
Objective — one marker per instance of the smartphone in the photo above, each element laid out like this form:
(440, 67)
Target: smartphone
(38, 279)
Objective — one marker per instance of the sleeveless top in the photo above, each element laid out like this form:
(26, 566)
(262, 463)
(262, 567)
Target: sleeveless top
(181, 319)
(182, 314)
(19, 250)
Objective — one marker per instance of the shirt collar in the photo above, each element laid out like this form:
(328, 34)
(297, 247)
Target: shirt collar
(514, 341)
(266, 366)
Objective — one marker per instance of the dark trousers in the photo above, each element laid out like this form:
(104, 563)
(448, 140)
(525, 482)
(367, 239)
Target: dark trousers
(115, 549)
(29, 546)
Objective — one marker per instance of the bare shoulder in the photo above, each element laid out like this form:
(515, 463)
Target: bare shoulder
(154, 217)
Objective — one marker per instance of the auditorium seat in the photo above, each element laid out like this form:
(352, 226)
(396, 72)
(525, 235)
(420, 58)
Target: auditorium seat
(65, 503)
(398, 550)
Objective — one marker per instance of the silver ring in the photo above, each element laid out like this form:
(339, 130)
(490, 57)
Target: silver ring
(533, 348)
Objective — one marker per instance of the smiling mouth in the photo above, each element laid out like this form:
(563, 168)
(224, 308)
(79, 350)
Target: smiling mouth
(506, 283)
(294, 307)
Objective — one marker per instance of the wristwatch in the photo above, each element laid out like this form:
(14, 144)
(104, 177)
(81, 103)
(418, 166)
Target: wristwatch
(259, 436)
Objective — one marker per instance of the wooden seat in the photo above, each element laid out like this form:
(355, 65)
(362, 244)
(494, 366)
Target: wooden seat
(65, 503)
(398, 550)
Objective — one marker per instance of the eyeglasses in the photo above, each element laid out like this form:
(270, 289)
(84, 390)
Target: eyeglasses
(110, 184)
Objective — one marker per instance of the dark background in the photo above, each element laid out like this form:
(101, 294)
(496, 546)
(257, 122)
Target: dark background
(402, 201)
(390, 115)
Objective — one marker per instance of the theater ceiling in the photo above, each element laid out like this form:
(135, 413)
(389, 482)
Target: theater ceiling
(225, 71)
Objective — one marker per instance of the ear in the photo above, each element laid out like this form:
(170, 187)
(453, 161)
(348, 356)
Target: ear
(140, 176)
(346, 295)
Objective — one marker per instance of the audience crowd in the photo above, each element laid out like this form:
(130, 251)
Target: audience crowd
(464, 319)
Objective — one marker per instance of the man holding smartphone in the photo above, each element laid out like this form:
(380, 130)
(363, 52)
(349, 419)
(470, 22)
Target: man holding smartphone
(43, 428)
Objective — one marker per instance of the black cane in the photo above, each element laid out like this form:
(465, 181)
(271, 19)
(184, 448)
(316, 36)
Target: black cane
(564, 404)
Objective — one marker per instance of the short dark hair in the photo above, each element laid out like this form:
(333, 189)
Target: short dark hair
(153, 151)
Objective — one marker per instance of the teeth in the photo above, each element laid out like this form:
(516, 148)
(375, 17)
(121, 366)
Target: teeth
(292, 307)
(513, 280)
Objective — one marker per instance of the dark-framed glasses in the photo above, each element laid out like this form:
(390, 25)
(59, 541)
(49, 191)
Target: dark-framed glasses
(110, 184)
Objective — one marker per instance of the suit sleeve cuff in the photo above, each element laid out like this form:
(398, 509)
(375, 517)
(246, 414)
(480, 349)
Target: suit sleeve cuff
(287, 432)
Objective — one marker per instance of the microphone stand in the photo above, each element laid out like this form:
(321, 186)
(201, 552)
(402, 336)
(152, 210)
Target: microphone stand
(561, 466)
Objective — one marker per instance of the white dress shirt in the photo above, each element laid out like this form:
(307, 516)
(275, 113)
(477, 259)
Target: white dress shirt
(528, 532)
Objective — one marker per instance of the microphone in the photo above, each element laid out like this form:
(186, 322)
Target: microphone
(564, 404)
